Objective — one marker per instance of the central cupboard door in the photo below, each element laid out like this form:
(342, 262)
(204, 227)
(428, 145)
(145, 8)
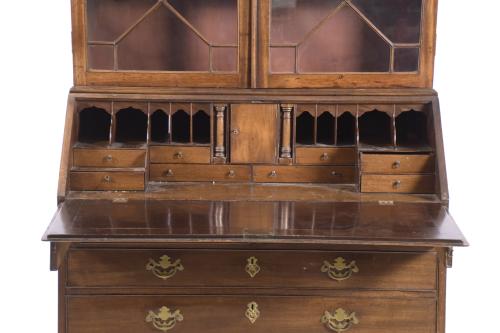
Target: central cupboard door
(166, 43)
(254, 133)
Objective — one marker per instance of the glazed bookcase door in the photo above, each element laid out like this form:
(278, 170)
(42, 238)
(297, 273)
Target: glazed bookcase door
(346, 43)
(169, 43)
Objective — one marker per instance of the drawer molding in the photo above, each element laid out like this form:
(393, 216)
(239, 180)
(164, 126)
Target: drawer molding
(252, 267)
(340, 320)
(165, 319)
(164, 268)
(339, 270)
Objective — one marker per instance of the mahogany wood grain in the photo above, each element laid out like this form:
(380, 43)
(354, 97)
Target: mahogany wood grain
(294, 314)
(109, 158)
(397, 163)
(325, 156)
(179, 154)
(305, 174)
(397, 183)
(200, 173)
(107, 180)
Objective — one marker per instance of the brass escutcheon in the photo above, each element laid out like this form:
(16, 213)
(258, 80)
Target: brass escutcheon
(339, 270)
(340, 321)
(164, 268)
(252, 312)
(252, 267)
(165, 319)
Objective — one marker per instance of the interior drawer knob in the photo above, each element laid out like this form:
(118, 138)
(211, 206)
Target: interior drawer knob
(179, 155)
(273, 174)
(231, 173)
(340, 320)
(397, 184)
(169, 173)
(108, 158)
(252, 267)
(164, 320)
(396, 164)
(107, 179)
(252, 313)
(164, 268)
(324, 157)
(339, 270)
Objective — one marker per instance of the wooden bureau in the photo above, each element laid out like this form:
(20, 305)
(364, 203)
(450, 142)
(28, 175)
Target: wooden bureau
(253, 166)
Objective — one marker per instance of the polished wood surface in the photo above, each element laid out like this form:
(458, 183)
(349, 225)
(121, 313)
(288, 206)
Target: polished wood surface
(293, 314)
(407, 224)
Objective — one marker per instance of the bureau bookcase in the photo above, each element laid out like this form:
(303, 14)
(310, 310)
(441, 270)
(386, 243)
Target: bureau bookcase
(253, 166)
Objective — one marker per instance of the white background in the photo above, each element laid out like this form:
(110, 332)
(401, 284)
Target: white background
(35, 76)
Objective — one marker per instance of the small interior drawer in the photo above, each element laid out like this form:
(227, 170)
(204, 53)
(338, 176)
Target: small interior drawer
(397, 163)
(109, 158)
(179, 154)
(304, 174)
(419, 184)
(107, 181)
(325, 156)
(191, 172)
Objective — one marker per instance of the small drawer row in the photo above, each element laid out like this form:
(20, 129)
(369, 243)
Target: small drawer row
(398, 173)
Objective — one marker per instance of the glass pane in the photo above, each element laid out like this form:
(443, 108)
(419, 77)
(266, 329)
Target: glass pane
(216, 20)
(282, 59)
(224, 59)
(406, 59)
(163, 42)
(101, 57)
(344, 43)
(399, 20)
(293, 19)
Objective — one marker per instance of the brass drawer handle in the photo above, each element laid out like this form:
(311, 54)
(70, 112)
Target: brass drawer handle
(324, 157)
(108, 158)
(252, 313)
(252, 267)
(273, 174)
(231, 174)
(107, 179)
(396, 164)
(339, 270)
(178, 155)
(169, 173)
(396, 185)
(340, 321)
(165, 319)
(164, 268)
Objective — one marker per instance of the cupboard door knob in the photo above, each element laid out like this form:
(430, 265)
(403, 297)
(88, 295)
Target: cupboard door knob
(164, 268)
(179, 155)
(169, 173)
(397, 184)
(235, 131)
(165, 319)
(231, 173)
(252, 267)
(340, 320)
(107, 179)
(273, 174)
(396, 164)
(339, 270)
(324, 157)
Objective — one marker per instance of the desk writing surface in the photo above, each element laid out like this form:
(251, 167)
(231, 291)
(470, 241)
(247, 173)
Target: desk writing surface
(411, 224)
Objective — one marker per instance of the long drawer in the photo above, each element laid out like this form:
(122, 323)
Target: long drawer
(240, 268)
(109, 158)
(421, 184)
(179, 154)
(198, 172)
(107, 181)
(220, 314)
(304, 174)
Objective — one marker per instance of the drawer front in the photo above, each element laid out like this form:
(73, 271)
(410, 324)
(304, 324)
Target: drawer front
(325, 156)
(420, 184)
(397, 163)
(107, 181)
(291, 314)
(109, 158)
(232, 268)
(179, 154)
(304, 174)
(191, 172)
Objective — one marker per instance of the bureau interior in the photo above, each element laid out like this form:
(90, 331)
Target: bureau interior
(175, 141)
